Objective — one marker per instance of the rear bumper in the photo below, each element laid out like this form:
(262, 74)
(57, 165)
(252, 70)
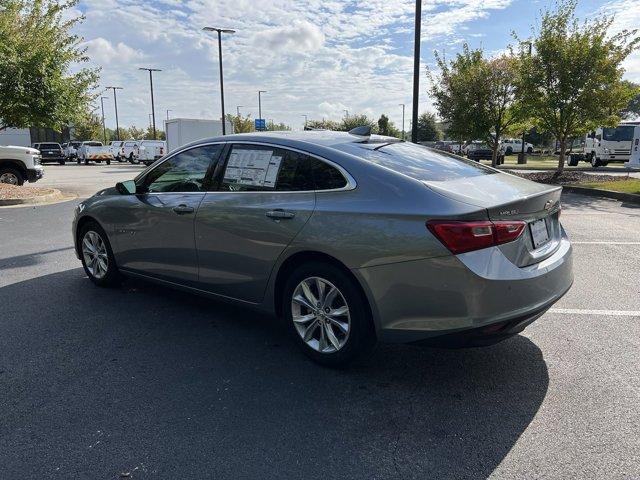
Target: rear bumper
(460, 296)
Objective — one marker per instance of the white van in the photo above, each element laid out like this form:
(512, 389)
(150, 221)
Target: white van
(129, 149)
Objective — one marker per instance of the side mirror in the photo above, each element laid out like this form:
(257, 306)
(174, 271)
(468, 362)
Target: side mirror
(127, 187)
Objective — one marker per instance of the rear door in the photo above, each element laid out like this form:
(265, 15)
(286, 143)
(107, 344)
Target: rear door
(155, 232)
(263, 198)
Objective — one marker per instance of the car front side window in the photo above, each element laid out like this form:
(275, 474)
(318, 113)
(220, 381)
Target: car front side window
(183, 172)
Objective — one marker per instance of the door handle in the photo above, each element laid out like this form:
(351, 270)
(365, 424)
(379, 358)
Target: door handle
(280, 214)
(183, 209)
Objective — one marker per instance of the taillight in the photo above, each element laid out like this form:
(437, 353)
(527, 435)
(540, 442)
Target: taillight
(460, 237)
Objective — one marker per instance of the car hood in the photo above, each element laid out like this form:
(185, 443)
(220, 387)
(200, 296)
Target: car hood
(19, 149)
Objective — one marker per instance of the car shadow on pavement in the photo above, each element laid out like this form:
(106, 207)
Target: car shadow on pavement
(162, 384)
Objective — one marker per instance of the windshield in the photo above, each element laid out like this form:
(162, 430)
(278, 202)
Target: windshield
(49, 145)
(620, 134)
(93, 144)
(416, 161)
(153, 144)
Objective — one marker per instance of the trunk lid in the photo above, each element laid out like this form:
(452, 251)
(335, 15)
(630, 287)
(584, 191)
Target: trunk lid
(507, 197)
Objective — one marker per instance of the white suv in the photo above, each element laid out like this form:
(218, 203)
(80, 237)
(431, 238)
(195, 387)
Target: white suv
(19, 165)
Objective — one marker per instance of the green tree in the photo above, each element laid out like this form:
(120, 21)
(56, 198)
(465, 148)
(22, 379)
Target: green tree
(323, 125)
(386, 127)
(572, 82)
(277, 127)
(241, 124)
(632, 109)
(135, 133)
(41, 82)
(428, 130)
(88, 127)
(148, 134)
(352, 121)
(477, 96)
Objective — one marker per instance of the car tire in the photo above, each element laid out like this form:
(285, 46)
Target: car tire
(78, 161)
(62, 162)
(11, 176)
(529, 151)
(96, 255)
(86, 162)
(572, 162)
(334, 340)
(509, 151)
(108, 162)
(595, 163)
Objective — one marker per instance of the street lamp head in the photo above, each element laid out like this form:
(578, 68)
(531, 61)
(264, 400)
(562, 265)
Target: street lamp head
(150, 69)
(115, 88)
(220, 30)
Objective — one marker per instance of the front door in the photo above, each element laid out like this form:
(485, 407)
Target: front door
(155, 234)
(263, 198)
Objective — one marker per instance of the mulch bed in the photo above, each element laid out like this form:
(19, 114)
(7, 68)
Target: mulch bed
(12, 192)
(568, 178)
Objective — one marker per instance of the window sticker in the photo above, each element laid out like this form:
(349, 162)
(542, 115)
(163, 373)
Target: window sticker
(257, 168)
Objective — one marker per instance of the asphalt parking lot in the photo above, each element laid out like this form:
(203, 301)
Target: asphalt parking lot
(146, 382)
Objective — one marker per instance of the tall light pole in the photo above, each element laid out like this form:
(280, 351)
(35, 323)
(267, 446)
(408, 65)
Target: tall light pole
(168, 113)
(115, 101)
(346, 112)
(416, 73)
(104, 129)
(220, 32)
(238, 107)
(305, 121)
(153, 110)
(403, 135)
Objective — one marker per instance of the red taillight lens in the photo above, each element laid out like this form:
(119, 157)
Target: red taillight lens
(460, 237)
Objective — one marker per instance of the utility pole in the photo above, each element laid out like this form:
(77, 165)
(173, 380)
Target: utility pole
(115, 101)
(346, 113)
(153, 111)
(305, 121)
(416, 72)
(403, 135)
(522, 157)
(168, 113)
(104, 129)
(238, 107)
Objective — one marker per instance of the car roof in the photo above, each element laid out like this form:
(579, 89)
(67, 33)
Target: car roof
(323, 138)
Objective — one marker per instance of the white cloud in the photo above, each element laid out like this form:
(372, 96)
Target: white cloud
(314, 57)
(626, 17)
(102, 51)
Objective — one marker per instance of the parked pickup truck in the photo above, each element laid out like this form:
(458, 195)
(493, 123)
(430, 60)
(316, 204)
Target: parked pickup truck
(94, 152)
(19, 165)
(149, 151)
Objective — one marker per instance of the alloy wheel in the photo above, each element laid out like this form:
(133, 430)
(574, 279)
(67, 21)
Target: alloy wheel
(94, 252)
(10, 178)
(320, 315)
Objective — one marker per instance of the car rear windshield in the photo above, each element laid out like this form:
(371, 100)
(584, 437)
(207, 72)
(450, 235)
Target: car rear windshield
(154, 144)
(49, 145)
(93, 144)
(416, 161)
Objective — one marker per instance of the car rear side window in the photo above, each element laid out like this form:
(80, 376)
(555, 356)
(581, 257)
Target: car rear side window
(184, 172)
(255, 168)
(417, 161)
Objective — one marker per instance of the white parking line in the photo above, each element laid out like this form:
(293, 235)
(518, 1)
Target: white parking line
(612, 313)
(605, 243)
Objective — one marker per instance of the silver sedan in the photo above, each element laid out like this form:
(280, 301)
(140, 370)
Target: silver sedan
(352, 238)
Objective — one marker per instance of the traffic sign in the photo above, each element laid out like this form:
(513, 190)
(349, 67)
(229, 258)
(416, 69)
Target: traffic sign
(261, 124)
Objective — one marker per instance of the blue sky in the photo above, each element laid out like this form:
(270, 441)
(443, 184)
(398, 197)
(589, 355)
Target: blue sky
(314, 57)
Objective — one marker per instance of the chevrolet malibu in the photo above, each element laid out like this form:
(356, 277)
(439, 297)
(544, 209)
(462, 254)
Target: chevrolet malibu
(352, 238)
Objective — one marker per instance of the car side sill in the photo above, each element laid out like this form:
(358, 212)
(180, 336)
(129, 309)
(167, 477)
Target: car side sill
(194, 290)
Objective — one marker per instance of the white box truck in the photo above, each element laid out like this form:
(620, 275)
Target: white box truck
(181, 131)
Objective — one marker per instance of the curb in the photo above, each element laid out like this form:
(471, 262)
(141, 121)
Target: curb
(572, 169)
(54, 195)
(594, 192)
